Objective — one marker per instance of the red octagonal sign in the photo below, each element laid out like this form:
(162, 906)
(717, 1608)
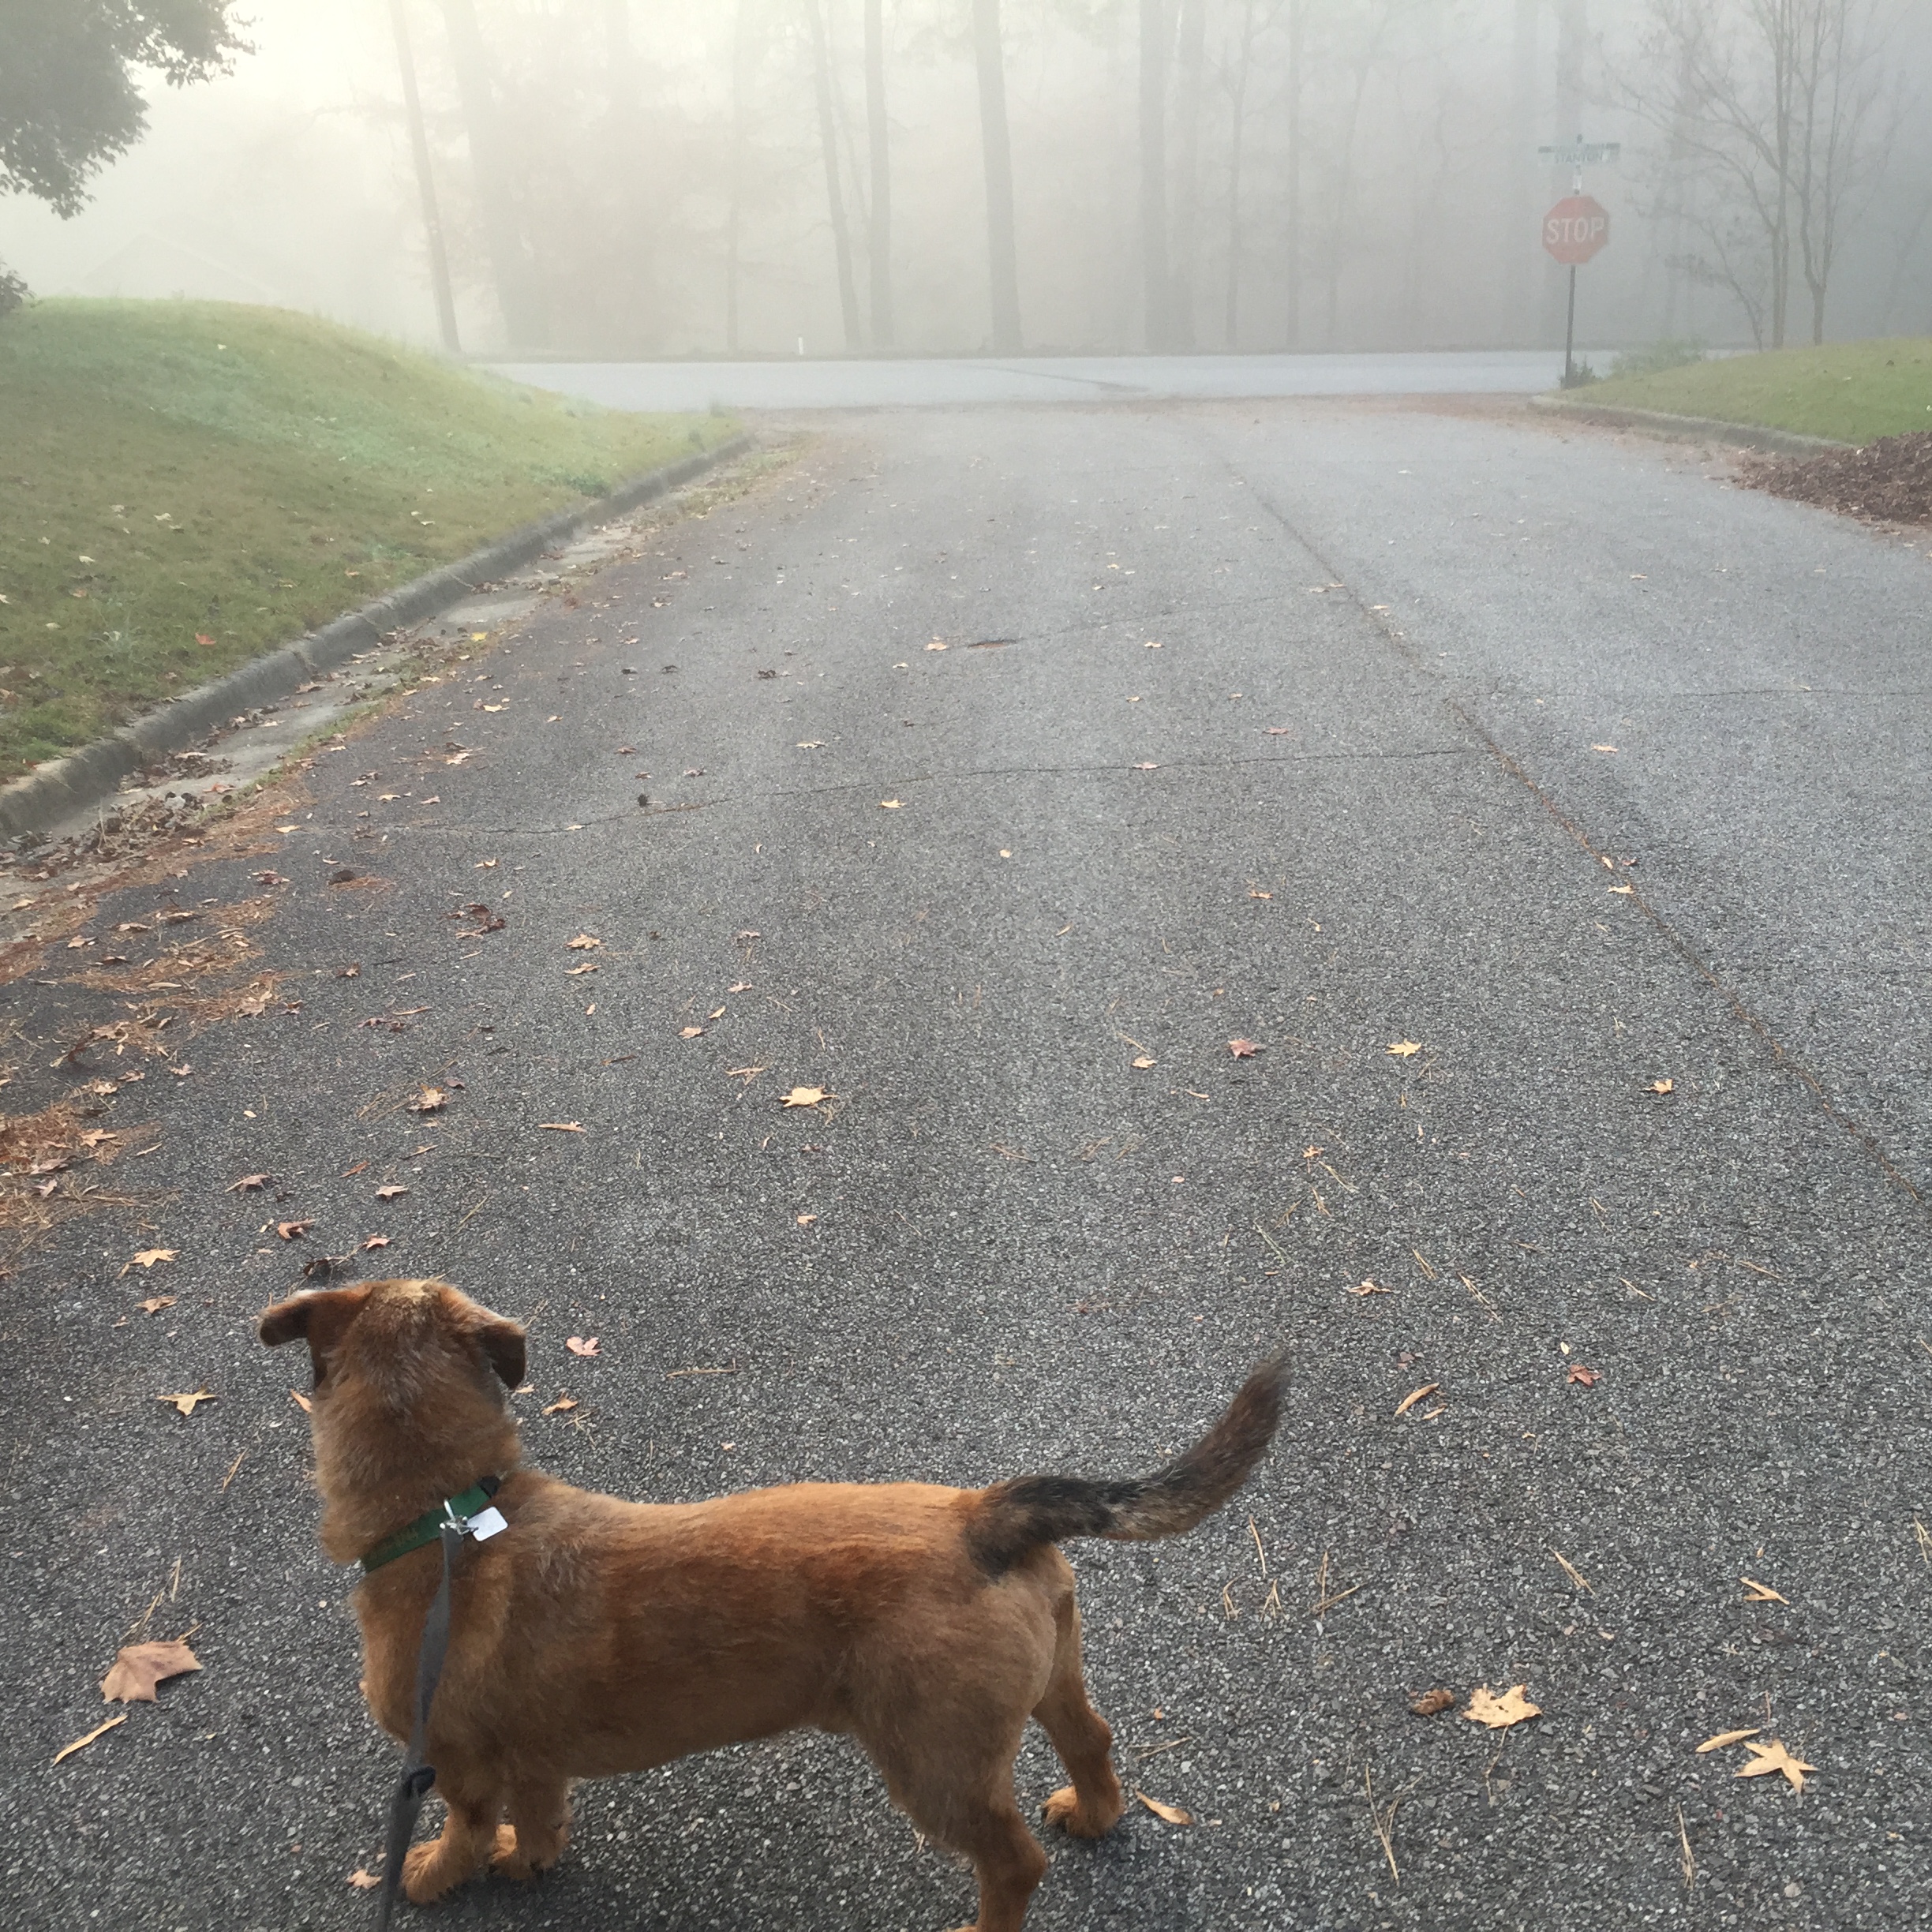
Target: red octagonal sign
(1575, 229)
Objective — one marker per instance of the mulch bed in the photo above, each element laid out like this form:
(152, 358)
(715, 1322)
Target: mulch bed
(1889, 481)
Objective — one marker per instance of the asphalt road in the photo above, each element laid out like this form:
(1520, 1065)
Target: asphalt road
(1362, 796)
(913, 382)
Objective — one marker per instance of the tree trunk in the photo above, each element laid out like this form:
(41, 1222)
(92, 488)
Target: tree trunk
(878, 247)
(835, 198)
(519, 290)
(426, 183)
(734, 209)
(1193, 55)
(1293, 291)
(1002, 257)
(1519, 253)
(1238, 103)
(1153, 174)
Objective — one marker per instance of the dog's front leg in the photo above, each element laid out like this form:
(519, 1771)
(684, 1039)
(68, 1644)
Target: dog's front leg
(539, 1822)
(469, 1836)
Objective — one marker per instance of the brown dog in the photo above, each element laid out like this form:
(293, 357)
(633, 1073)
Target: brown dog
(594, 1636)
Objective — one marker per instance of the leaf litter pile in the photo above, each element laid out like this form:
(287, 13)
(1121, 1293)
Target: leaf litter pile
(1889, 481)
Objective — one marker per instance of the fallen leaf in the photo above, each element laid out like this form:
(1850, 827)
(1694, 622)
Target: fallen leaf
(1728, 1737)
(1767, 1758)
(1588, 1377)
(187, 1403)
(1369, 1288)
(301, 1401)
(1661, 1087)
(67, 1750)
(1144, 1062)
(578, 1346)
(584, 943)
(806, 1220)
(292, 1230)
(1144, 768)
(1245, 1049)
(391, 1191)
(155, 1304)
(1403, 1049)
(138, 1668)
(248, 1184)
(562, 1402)
(1433, 1703)
(148, 1256)
(738, 986)
(363, 1880)
(431, 1100)
(1755, 1592)
(935, 644)
(558, 1127)
(803, 1097)
(1498, 1713)
(1626, 892)
(1603, 747)
(1167, 1813)
(691, 1032)
(891, 804)
(1415, 1395)
(577, 973)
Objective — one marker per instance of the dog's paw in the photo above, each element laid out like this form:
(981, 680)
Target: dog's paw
(512, 1859)
(1063, 1809)
(426, 1877)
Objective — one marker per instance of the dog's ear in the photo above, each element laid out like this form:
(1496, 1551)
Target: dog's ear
(500, 1340)
(319, 1319)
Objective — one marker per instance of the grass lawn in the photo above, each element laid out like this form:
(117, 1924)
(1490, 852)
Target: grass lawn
(185, 484)
(1854, 392)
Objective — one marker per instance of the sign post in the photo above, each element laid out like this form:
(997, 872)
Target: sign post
(1577, 227)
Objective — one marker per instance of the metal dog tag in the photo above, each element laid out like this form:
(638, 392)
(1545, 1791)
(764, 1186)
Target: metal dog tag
(485, 1523)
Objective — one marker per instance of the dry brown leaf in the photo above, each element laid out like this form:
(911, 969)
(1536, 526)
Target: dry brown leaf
(578, 1346)
(248, 1184)
(1485, 1707)
(577, 973)
(1728, 1737)
(292, 1230)
(1415, 1395)
(892, 804)
(148, 1256)
(155, 1304)
(187, 1403)
(1767, 1758)
(80, 1743)
(431, 1100)
(363, 1880)
(558, 1127)
(562, 1402)
(690, 1032)
(376, 1241)
(584, 943)
(1755, 1592)
(1404, 1049)
(803, 1097)
(1588, 1377)
(1167, 1813)
(301, 1401)
(395, 1189)
(1433, 1703)
(1245, 1049)
(1144, 1062)
(806, 1220)
(1661, 1087)
(138, 1668)
(1369, 1288)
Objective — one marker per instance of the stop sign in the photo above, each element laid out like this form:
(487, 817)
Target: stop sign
(1575, 229)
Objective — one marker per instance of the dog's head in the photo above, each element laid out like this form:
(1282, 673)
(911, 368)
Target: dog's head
(408, 1404)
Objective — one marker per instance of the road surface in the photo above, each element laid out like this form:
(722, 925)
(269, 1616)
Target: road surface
(1552, 816)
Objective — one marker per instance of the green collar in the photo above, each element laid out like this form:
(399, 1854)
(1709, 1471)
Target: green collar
(428, 1526)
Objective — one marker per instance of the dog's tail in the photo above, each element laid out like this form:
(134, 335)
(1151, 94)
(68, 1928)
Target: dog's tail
(1016, 1516)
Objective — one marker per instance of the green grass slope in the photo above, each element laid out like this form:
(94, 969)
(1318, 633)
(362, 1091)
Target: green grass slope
(1854, 392)
(184, 485)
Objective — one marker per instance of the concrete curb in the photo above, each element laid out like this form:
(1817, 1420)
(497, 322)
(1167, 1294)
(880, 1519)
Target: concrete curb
(1690, 429)
(61, 786)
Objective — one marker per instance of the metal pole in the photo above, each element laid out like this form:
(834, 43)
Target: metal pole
(1569, 381)
(419, 144)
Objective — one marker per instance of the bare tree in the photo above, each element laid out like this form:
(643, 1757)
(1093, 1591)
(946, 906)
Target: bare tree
(1002, 253)
(879, 246)
(1153, 32)
(1778, 109)
(1190, 68)
(425, 181)
(835, 195)
(1236, 69)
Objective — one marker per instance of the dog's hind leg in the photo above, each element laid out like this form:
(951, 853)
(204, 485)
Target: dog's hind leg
(469, 1836)
(1092, 1804)
(540, 1821)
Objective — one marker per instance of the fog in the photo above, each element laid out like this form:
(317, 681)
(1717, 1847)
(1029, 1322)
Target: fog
(625, 180)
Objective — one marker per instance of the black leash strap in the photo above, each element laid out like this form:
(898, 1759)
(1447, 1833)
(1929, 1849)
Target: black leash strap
(416, 1778)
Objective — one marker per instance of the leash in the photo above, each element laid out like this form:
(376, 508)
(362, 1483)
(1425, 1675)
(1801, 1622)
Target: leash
(412, 1786)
